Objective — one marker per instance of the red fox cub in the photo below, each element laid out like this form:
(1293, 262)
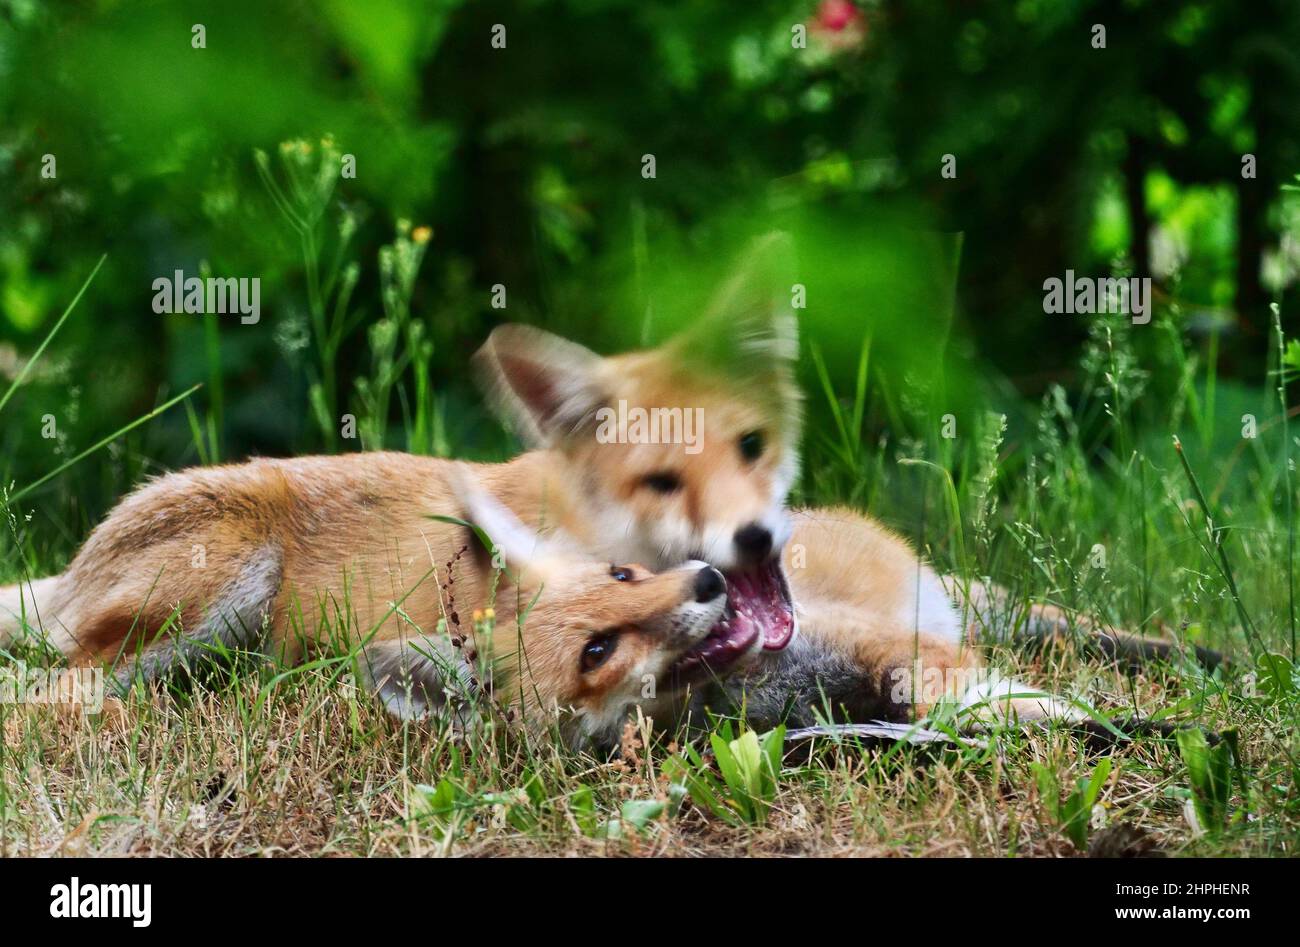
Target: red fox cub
(880, 640)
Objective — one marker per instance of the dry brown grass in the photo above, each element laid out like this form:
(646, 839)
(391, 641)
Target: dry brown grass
(317, 768)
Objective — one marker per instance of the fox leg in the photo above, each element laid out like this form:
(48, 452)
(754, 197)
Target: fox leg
(924, 670)
(419, 678)
(235, 621)
(118, 616)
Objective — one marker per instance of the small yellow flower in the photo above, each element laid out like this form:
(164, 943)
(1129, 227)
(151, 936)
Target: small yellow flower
(421, 234)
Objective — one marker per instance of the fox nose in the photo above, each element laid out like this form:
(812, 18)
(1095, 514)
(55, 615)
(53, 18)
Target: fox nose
(709, 584)
(753, 542)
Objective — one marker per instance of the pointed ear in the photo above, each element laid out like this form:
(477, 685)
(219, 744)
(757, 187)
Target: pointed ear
(545, 386)
(750, 323)
(521, 548)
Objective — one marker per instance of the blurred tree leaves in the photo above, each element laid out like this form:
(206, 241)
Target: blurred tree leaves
(526, 163)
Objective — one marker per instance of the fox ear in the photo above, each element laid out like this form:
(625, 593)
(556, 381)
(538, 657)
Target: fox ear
(546, 387)
(750, 323)
(520, 547)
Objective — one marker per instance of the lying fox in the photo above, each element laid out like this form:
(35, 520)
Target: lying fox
(272, 555)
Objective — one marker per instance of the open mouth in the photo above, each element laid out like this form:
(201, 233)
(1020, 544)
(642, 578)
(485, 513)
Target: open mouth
(761, 599)
(758, 605)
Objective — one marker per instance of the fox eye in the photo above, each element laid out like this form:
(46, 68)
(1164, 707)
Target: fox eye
(751, 445)
(662, 482)
(597, 651)
(621, 573)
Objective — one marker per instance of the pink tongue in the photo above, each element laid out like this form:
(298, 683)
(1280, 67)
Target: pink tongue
(758, 596)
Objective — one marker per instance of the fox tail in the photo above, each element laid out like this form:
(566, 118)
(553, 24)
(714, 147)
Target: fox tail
(24, 609)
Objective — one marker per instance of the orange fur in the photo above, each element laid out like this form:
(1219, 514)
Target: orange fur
(354, 528)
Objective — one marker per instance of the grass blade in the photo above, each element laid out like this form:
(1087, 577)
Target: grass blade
(105, 441)
(40, 349)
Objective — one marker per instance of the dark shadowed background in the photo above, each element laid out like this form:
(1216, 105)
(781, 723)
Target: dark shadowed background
(524, 168)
